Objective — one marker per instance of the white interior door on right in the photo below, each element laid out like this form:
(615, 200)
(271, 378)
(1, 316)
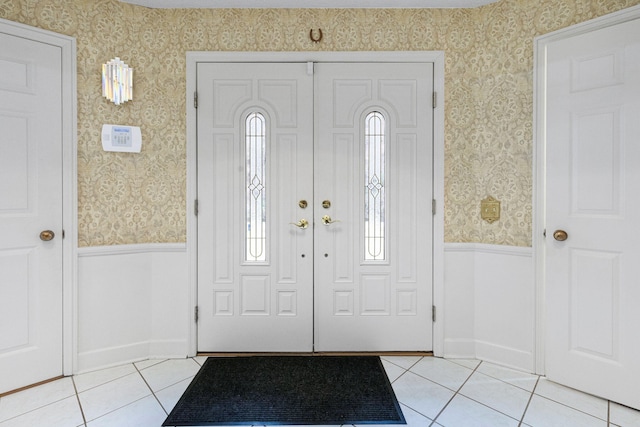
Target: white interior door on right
(593, 212)
(373, 186)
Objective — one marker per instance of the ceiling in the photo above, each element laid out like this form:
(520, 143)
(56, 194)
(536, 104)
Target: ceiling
(296, 4)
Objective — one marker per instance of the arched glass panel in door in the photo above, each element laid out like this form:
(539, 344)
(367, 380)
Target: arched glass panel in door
(256, 188)
(374, 186)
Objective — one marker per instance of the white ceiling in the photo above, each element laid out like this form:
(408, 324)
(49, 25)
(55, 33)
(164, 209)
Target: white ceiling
(294, 4)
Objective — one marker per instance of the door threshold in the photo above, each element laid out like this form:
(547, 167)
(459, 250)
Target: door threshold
(317, 353)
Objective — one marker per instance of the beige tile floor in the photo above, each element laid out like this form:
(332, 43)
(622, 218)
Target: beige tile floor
(432, 392)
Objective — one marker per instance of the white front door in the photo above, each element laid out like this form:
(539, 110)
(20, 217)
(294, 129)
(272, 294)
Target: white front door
(593, 201)
(373, 164)
(255, 165)
(30, 203)
(293, 255)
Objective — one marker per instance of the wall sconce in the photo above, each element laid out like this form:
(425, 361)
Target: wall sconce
(117, 81)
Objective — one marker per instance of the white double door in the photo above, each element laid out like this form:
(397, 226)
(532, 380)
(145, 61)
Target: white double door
(314, 206)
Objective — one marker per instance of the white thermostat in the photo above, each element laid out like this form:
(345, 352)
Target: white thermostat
(127, 139)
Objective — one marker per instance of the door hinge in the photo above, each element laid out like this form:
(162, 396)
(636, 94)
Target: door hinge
(195, 207)
(544, 232)
(310, 67)
(435, 98)
(433, 206)
(195, 100)
(63, 233)
(433, 313)
(195, 314)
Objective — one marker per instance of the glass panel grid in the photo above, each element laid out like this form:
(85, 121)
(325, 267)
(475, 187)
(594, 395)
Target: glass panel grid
(256, 202)
(374, 187)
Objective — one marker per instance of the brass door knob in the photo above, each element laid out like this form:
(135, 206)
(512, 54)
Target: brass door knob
(560, 235)
(47, 235)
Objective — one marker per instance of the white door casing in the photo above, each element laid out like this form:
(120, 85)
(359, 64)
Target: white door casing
(36, 193)
(589, 109)
(403, 288)
(374, 305)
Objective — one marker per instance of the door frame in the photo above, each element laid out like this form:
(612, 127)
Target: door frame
(67, 47)
(435, 57)
(539, 155)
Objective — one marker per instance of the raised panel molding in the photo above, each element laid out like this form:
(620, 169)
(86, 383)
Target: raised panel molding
(239, 91)
(395, 92)
(286, 91)
(349, 95)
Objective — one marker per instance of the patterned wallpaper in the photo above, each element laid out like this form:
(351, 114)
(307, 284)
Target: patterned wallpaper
(140, 198)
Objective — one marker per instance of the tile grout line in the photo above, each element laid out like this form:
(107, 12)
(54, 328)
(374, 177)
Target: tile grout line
(401, 375)
(566, 405)
(526, 408)
(153, 393)
(455, 394)
(84, 418)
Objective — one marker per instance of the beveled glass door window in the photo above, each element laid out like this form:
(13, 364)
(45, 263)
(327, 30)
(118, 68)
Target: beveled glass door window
(374, 186)
(256, 200)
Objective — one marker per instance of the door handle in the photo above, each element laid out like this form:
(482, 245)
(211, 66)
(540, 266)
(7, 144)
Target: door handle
(47, 235)
(560, 235)
(303, 223)
(326, 220)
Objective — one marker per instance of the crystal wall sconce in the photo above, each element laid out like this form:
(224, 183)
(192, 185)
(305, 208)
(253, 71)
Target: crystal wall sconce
(117, 81)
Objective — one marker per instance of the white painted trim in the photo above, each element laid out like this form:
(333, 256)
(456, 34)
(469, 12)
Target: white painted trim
(438, 194)
(524, 251)
(539, 155)
(67, 46)
(435, 57)
(143, 248)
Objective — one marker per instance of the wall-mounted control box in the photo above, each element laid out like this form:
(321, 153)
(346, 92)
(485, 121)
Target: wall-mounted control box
(127, 139)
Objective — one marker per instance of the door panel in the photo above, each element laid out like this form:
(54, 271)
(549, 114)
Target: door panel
(30, 202)
(593, 193)
(381, 304)
(254, 297)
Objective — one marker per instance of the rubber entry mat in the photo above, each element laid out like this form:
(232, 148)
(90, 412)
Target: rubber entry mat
(268, 390)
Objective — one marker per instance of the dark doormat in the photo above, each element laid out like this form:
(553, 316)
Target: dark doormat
(267, 390)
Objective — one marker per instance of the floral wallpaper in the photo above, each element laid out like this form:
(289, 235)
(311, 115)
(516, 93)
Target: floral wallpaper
(140, 198)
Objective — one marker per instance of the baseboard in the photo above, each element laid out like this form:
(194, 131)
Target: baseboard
(459, 348)
(505, 356)
(168, 349)
(112, 356)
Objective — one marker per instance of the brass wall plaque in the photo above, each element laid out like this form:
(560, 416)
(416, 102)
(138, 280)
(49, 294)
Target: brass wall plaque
(490, 209)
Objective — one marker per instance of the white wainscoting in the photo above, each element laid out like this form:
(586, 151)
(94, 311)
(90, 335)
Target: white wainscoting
(489, 311)
(133, 304)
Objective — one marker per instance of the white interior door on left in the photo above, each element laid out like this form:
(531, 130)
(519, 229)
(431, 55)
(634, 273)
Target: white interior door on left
(255, 234)
(30, 212)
